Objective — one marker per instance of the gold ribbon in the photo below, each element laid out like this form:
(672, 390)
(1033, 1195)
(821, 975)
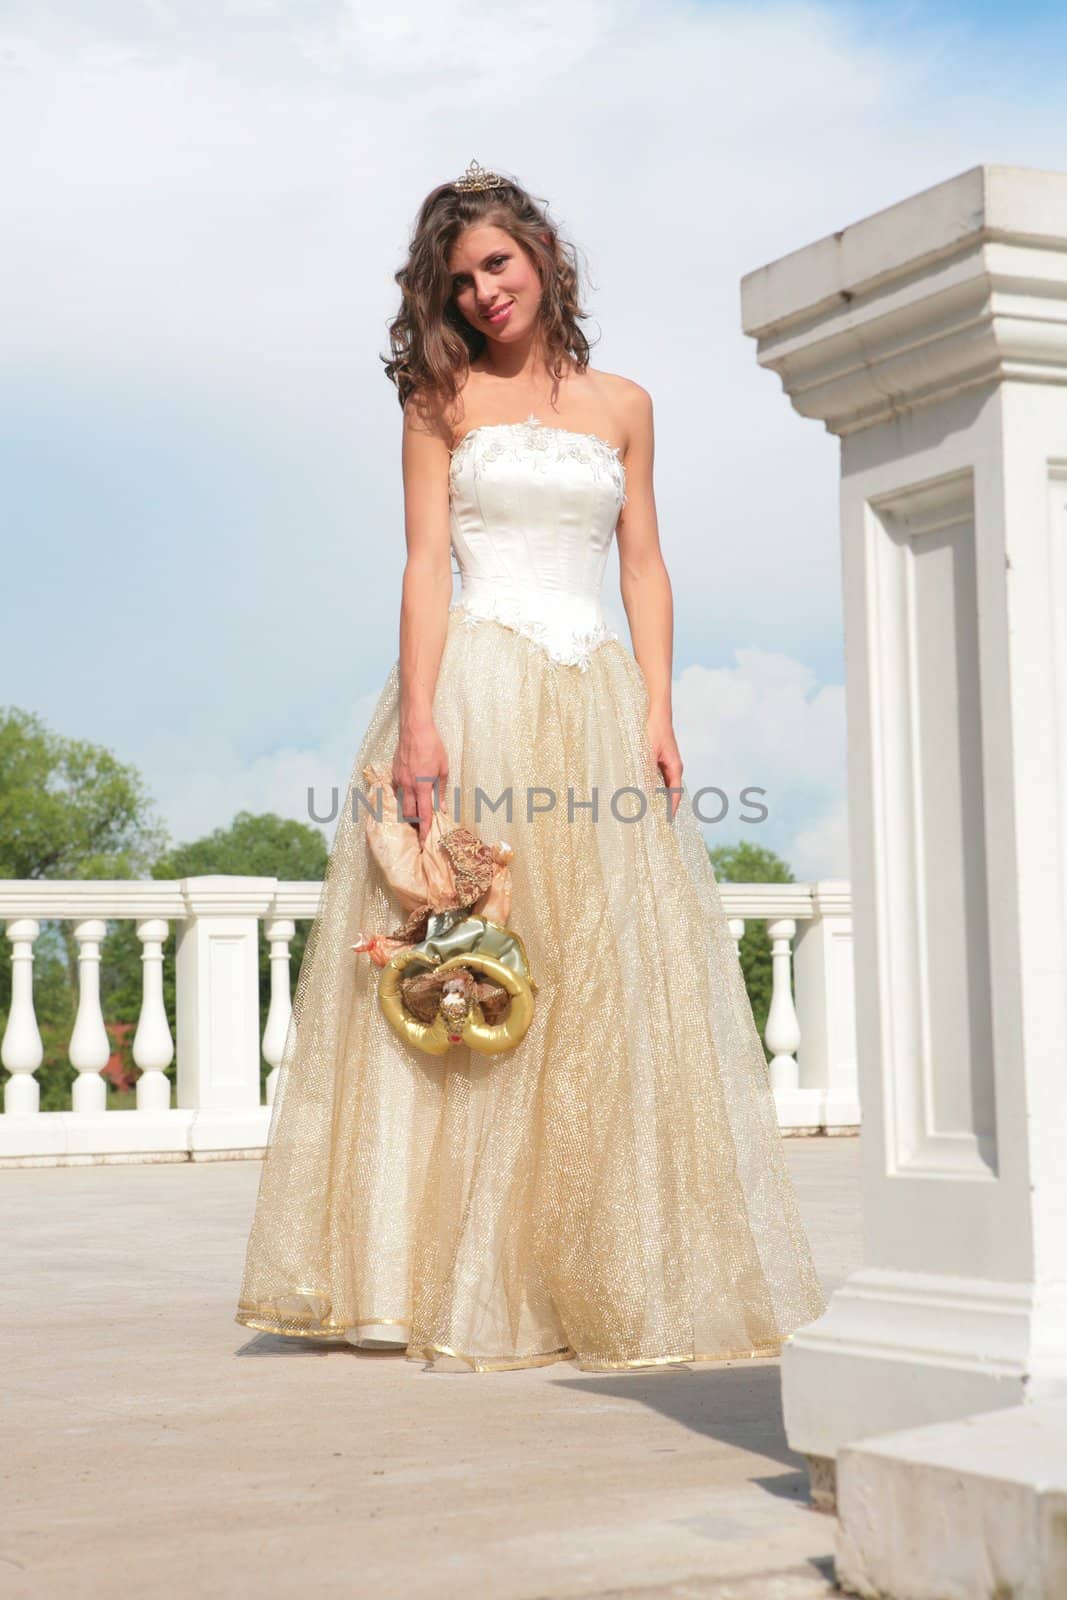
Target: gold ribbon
(482, 946)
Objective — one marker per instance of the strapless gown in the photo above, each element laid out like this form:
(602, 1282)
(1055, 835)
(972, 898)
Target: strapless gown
(613, 1189)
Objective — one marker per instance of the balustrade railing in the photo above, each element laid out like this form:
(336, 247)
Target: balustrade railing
(216, 1107)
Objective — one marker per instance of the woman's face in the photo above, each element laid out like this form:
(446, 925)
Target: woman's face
(495, 284)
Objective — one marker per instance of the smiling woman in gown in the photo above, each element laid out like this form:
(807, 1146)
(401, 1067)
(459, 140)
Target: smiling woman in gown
(611, 1188)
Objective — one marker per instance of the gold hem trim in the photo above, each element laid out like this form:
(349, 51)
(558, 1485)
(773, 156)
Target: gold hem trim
(338, 1333)
(756, 1353)
(541, 1358)
(247, 1319)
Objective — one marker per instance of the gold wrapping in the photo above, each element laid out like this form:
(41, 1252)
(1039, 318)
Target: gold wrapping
(613, 1191)
(443, 1034)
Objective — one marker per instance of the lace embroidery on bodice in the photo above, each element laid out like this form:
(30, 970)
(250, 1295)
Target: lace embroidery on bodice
(548, 444)
(533, 513)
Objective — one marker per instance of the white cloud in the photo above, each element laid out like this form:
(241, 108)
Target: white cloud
(442, 45)
(202, 782)
(763, 723)
(208, 206)
(821, 851)
(766, 724)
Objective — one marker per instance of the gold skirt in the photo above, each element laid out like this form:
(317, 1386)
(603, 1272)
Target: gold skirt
(613, 1189)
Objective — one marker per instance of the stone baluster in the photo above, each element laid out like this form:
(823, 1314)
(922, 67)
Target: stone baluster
(153, 1046)
(782, 1035)
(90, 1047)
(22, 1050)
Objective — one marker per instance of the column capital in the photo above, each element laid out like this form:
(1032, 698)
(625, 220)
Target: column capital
(962, 285)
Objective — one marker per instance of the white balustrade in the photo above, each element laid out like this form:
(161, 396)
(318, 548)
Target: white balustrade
(219, 1109)
(810, 1028)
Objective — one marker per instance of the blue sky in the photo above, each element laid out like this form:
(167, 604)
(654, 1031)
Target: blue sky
(199, 452)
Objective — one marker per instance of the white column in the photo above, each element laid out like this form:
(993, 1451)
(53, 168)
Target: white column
(22, 1050)
(217, 964)
(933, 339)
(90, 1047)
(824, 987)
(153, 1047)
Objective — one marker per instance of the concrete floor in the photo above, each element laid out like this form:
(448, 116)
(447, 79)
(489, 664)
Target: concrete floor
(152, 1447)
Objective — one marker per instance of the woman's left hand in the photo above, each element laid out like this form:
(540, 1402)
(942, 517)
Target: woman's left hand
(667, 757)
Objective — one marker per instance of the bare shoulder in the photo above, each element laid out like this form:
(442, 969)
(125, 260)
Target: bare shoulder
(629, 405)
(425, 454)
(453, 419)
(426, 416)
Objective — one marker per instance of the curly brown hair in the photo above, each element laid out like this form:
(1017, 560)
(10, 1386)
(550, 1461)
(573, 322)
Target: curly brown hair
(432, 342)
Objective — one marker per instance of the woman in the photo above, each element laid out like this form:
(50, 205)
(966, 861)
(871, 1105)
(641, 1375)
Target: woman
(612, 1187)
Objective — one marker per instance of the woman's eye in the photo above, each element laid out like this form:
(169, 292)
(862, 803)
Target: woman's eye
(494, 262)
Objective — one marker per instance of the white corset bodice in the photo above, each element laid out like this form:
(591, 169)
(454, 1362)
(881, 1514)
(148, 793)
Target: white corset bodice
(533, 512)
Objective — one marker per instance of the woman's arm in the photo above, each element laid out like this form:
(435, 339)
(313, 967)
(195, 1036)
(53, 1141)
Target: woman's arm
(427, 589)
(646, 587)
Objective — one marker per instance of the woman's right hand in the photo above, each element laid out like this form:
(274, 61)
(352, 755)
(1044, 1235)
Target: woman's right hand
(420, 761)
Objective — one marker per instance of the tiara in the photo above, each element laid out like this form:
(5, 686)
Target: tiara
(476, 177)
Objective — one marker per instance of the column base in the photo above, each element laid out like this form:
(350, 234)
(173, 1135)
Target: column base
(901, 1349)
(972, 1507)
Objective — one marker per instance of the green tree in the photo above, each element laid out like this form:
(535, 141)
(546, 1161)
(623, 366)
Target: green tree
(751, 863)
(265, 846)
(68, 809)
